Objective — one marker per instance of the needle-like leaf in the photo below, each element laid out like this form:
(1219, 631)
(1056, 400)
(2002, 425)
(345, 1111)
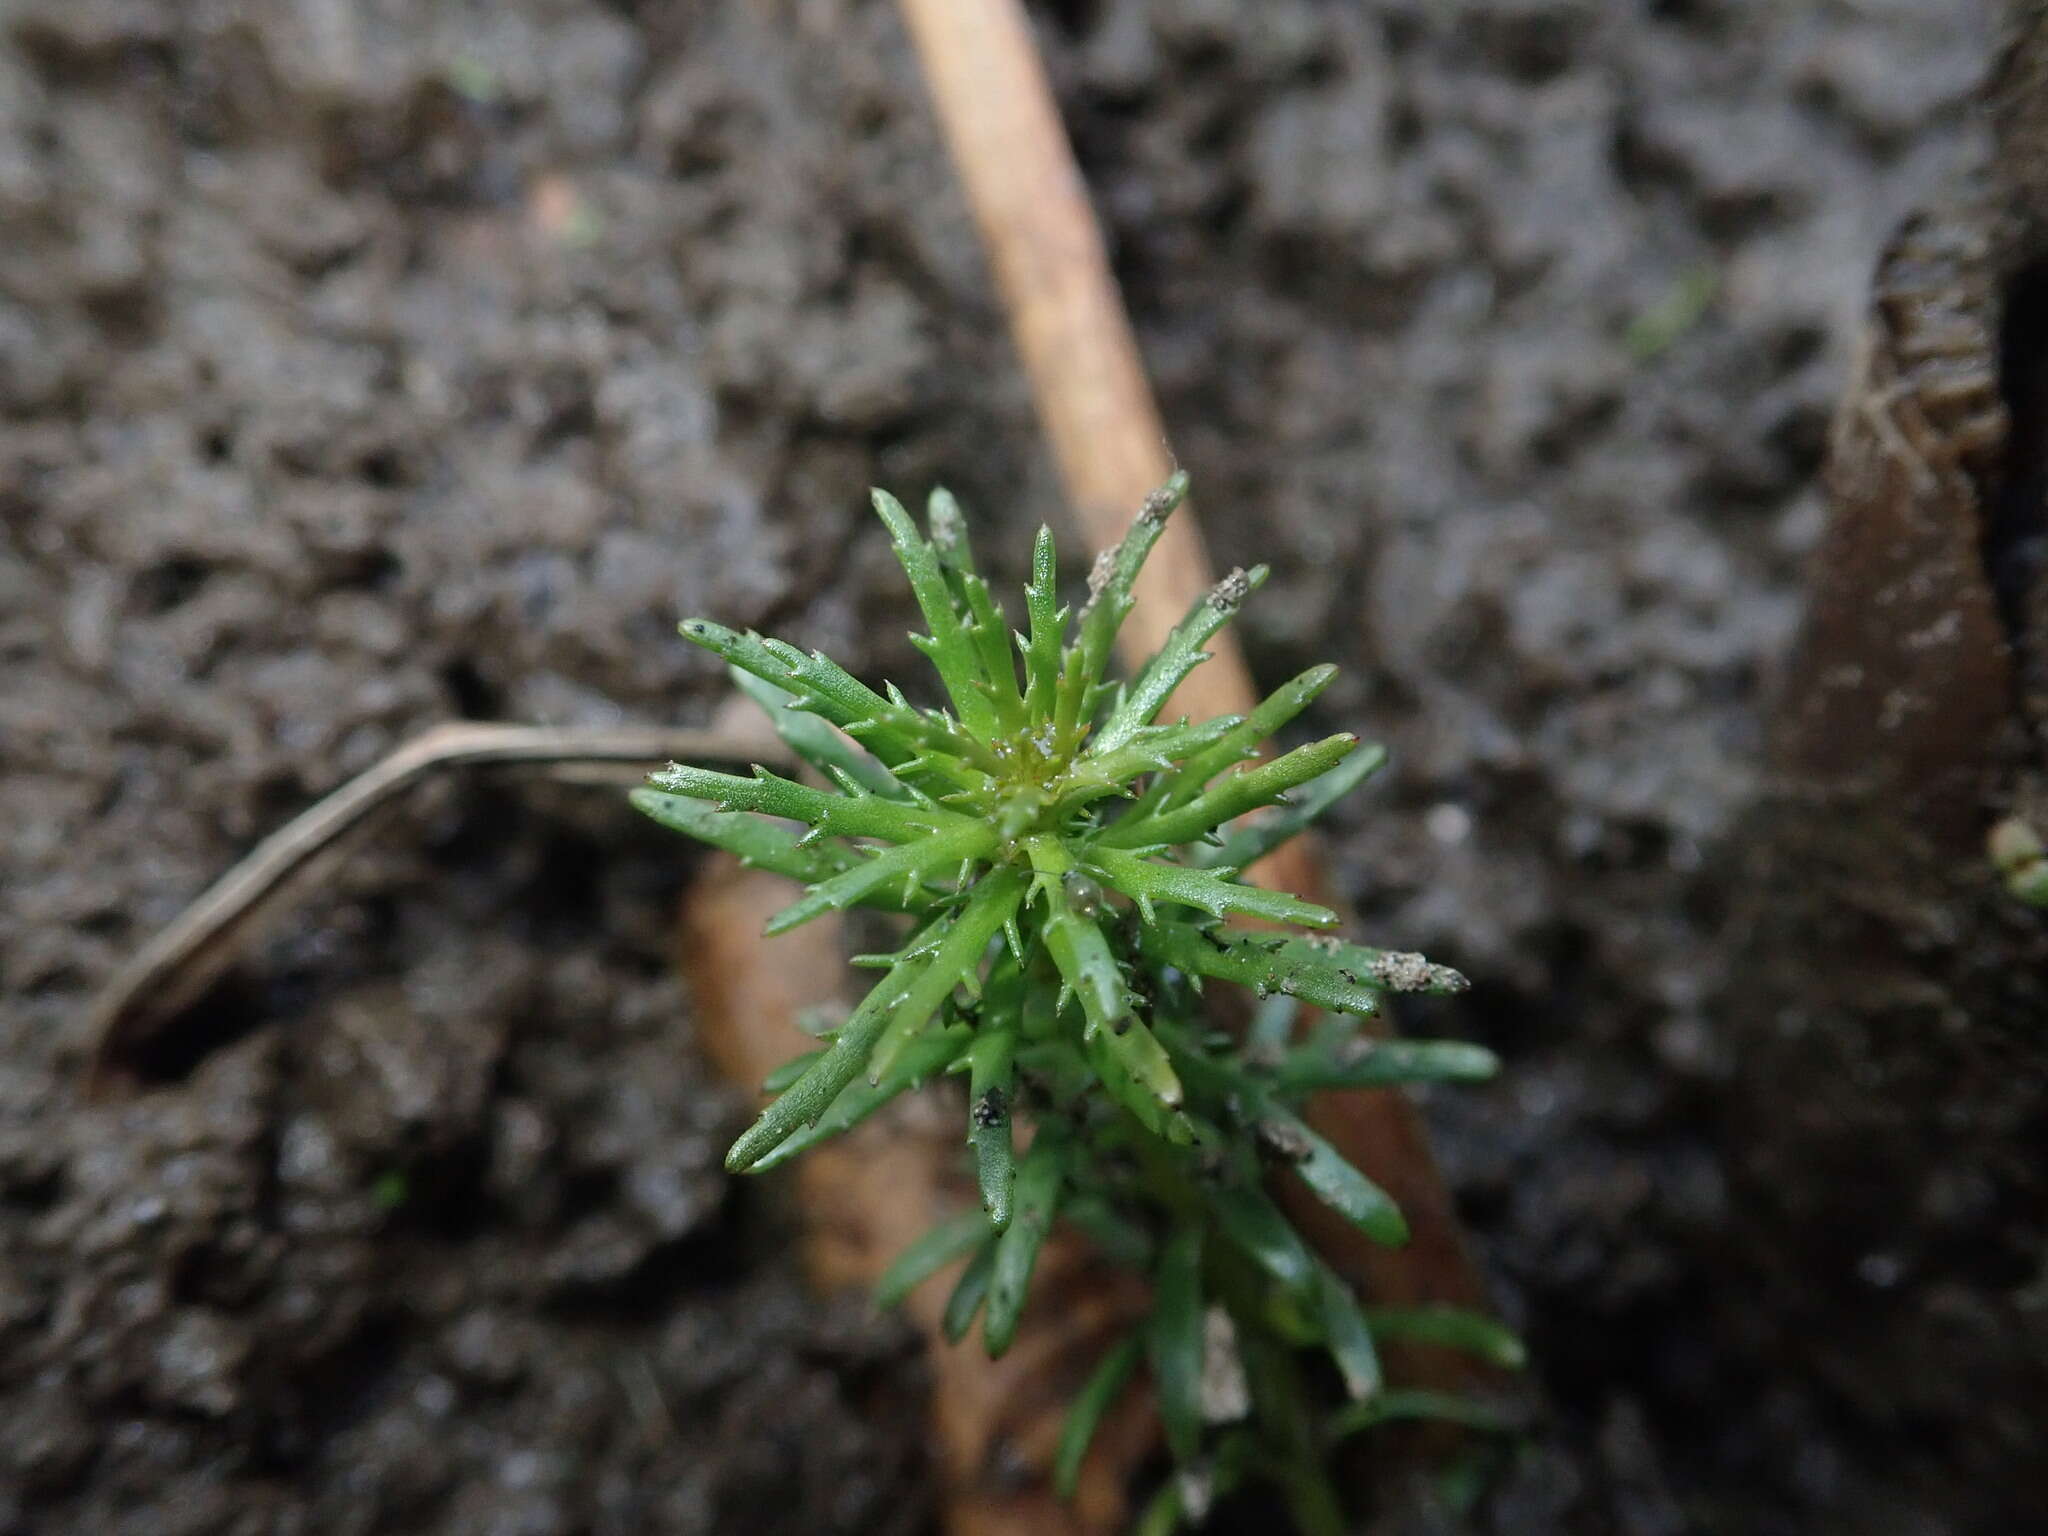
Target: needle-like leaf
(1383, 1063)
(896, 734)
(1275, 711)
(1084, 1415)
(1099, 774)
(947, 645)
(829, 814)
(810, 1095)
(1339, 1185)
(1318, 1164)
(1346, 1333)
(815, 741)
(759, 844)
(1251, 840)
(1111, 1067)
(1175, 1336)
(991, 1089)
(1048, 624)
(1415, 1403)
(1110, 601)
(1315, 970)
(968, 1293)
(1232, 796)
(1039, 1179)
(928, 1055)
(1077, 944)
(944, 1244)
(1147, 881)
(1256, 1226)
(1181, 654)
(957, 957)
(1453, 1327)
(890, 870)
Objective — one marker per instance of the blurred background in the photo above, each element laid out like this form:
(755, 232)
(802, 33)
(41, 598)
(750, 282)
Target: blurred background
(368, 365)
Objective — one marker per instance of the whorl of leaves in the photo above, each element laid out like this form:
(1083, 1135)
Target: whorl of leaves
(1070, 866)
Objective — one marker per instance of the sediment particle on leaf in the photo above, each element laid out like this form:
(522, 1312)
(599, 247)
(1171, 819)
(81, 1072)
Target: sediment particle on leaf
(1231, 591)
(1406, 971)
(991, 1109)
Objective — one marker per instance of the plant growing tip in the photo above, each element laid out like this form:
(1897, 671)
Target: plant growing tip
(1068, 865)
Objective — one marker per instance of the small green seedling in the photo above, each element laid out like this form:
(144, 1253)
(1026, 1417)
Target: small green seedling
(1068, 869)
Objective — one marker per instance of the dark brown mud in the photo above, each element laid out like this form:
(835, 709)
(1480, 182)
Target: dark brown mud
(363, 366)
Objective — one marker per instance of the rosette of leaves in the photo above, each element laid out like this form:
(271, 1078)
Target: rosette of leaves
(1069, 871)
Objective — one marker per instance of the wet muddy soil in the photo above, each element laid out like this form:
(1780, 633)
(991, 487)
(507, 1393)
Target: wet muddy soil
(365, 366)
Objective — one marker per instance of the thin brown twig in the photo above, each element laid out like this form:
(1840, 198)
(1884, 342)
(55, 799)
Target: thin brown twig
(176, 966)
(1070, 324)
(1066, 313)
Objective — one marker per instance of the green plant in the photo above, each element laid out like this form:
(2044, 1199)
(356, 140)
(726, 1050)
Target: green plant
(1069, 869)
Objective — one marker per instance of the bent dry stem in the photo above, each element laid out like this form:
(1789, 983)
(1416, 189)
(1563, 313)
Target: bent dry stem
(1069, 866)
